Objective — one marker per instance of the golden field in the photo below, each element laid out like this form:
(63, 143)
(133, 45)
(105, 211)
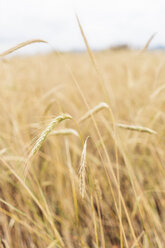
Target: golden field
(109, 192)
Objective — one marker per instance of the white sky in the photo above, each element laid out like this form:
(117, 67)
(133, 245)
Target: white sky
(105, 22)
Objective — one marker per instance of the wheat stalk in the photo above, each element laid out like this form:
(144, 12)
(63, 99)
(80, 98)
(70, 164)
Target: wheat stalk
(20, 45)
(97, 108)
(157, 91)
(4, 243)
(136, 128)
(2, 151)
(146, 243)
(103, 105)
(82, 169)
(65, 131)
(147, 44)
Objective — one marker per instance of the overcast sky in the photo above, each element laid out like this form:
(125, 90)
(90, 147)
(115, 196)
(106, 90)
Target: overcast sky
(105, 22)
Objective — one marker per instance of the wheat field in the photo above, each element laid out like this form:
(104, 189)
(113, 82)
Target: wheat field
(82, 150)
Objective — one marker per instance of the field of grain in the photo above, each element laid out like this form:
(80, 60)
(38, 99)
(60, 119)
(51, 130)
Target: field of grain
(59, 188)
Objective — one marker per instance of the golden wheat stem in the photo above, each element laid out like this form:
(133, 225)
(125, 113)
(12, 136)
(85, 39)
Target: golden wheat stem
(95, 223)
(69, 163)
(147, 44)
(72, 175)
(157, 91)
(20, 45)
(65, 131)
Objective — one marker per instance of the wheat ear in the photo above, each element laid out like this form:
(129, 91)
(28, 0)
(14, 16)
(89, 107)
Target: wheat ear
(45, 133)
(136, 128)
(104, 105)
(82, 169)
(43, 137)
(97, 108)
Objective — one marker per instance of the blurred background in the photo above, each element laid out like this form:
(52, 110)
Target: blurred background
(106, 23)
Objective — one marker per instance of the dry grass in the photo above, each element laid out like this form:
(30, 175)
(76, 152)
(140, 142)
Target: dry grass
(123, 185)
